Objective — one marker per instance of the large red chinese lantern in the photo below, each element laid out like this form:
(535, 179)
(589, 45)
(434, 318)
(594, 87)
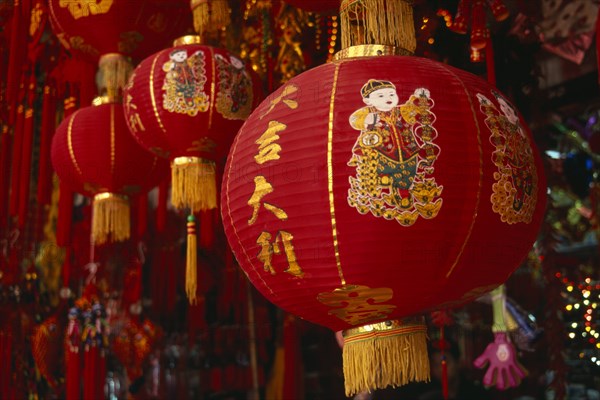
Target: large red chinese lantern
(94, 153)
(370, 190)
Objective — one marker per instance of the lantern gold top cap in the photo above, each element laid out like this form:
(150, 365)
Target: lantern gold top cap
(369, 50)
(187, 39)
(106, 99)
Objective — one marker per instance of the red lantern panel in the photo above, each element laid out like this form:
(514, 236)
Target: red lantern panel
(93, 152)
(371, 189)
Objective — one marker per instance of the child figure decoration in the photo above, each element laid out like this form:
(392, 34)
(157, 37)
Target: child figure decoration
(394, 155)
(515, 189)
(184, 83)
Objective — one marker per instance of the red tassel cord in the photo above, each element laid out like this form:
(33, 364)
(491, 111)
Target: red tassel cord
(17, 54)
(207, 229)
(161, 206)
(5, 159)
(142, 216)
(444, 364)
(490, 62)
(26, 154)
(44, 186)
(13, 207)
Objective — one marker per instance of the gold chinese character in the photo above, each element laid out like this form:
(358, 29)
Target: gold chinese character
(287, 91)
(135, 121)
(261, 189)
(268, 148)
(357, 304)
(267, 249)
(83, 8)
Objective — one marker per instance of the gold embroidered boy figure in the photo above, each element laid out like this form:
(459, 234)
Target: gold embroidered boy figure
(394, 155)
(184, 83)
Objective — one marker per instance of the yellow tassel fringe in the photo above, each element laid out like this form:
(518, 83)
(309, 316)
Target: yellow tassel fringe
(386, 22)
(110, 218)
(191, 265)
(382, 355)
(114, 70)
(194, 184)
(210, 15)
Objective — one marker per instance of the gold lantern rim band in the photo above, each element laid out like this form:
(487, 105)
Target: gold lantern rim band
(187, 39)
(369, 50)
(390, 353)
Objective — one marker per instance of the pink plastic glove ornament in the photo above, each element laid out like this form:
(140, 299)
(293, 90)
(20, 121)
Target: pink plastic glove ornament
(504, 370)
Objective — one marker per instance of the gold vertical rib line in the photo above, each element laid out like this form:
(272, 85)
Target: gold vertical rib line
(152, 97)
(330, 173)
(112, 139)
(478, 199)
(212, 88)
(70, 143)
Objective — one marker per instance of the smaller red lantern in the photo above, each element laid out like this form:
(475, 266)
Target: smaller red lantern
(94, 153)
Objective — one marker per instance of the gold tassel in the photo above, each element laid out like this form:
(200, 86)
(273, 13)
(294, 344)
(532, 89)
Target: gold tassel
(219, 14)
(110, 218)
(191, 265)
(114, 70)
(210, 15)
(194, 184)
(385, 22)
(390, 353)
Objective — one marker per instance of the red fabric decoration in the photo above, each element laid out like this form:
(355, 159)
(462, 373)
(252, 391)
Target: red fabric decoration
(189, 101)
(323, 6)
(16, 153)
(44, 186)
(26, 154)
(131, 27)
(94, 154)
(379, 240)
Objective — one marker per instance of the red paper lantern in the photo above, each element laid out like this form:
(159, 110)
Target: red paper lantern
(372, 189)
(186, 103)
(324, 6)
(94, 153)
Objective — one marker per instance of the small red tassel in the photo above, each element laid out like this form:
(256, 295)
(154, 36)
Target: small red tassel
(5, 159)
(443, 346)
(65, 214)
(18, 47)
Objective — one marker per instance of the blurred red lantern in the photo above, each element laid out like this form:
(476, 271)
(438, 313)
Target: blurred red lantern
(94, 153)
(113, 31)
(372, 189)
(186, 103)
(134, 28)
(324, 6)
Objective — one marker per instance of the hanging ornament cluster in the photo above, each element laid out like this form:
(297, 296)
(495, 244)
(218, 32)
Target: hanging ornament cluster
(95, 155)
(375, 188)
(471, 16)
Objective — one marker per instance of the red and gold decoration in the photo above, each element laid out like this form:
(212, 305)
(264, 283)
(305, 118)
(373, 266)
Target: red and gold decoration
(93, 152)
(186, 103)
(378, 194)
(210, 15)
(112, 32)
(323, 7)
